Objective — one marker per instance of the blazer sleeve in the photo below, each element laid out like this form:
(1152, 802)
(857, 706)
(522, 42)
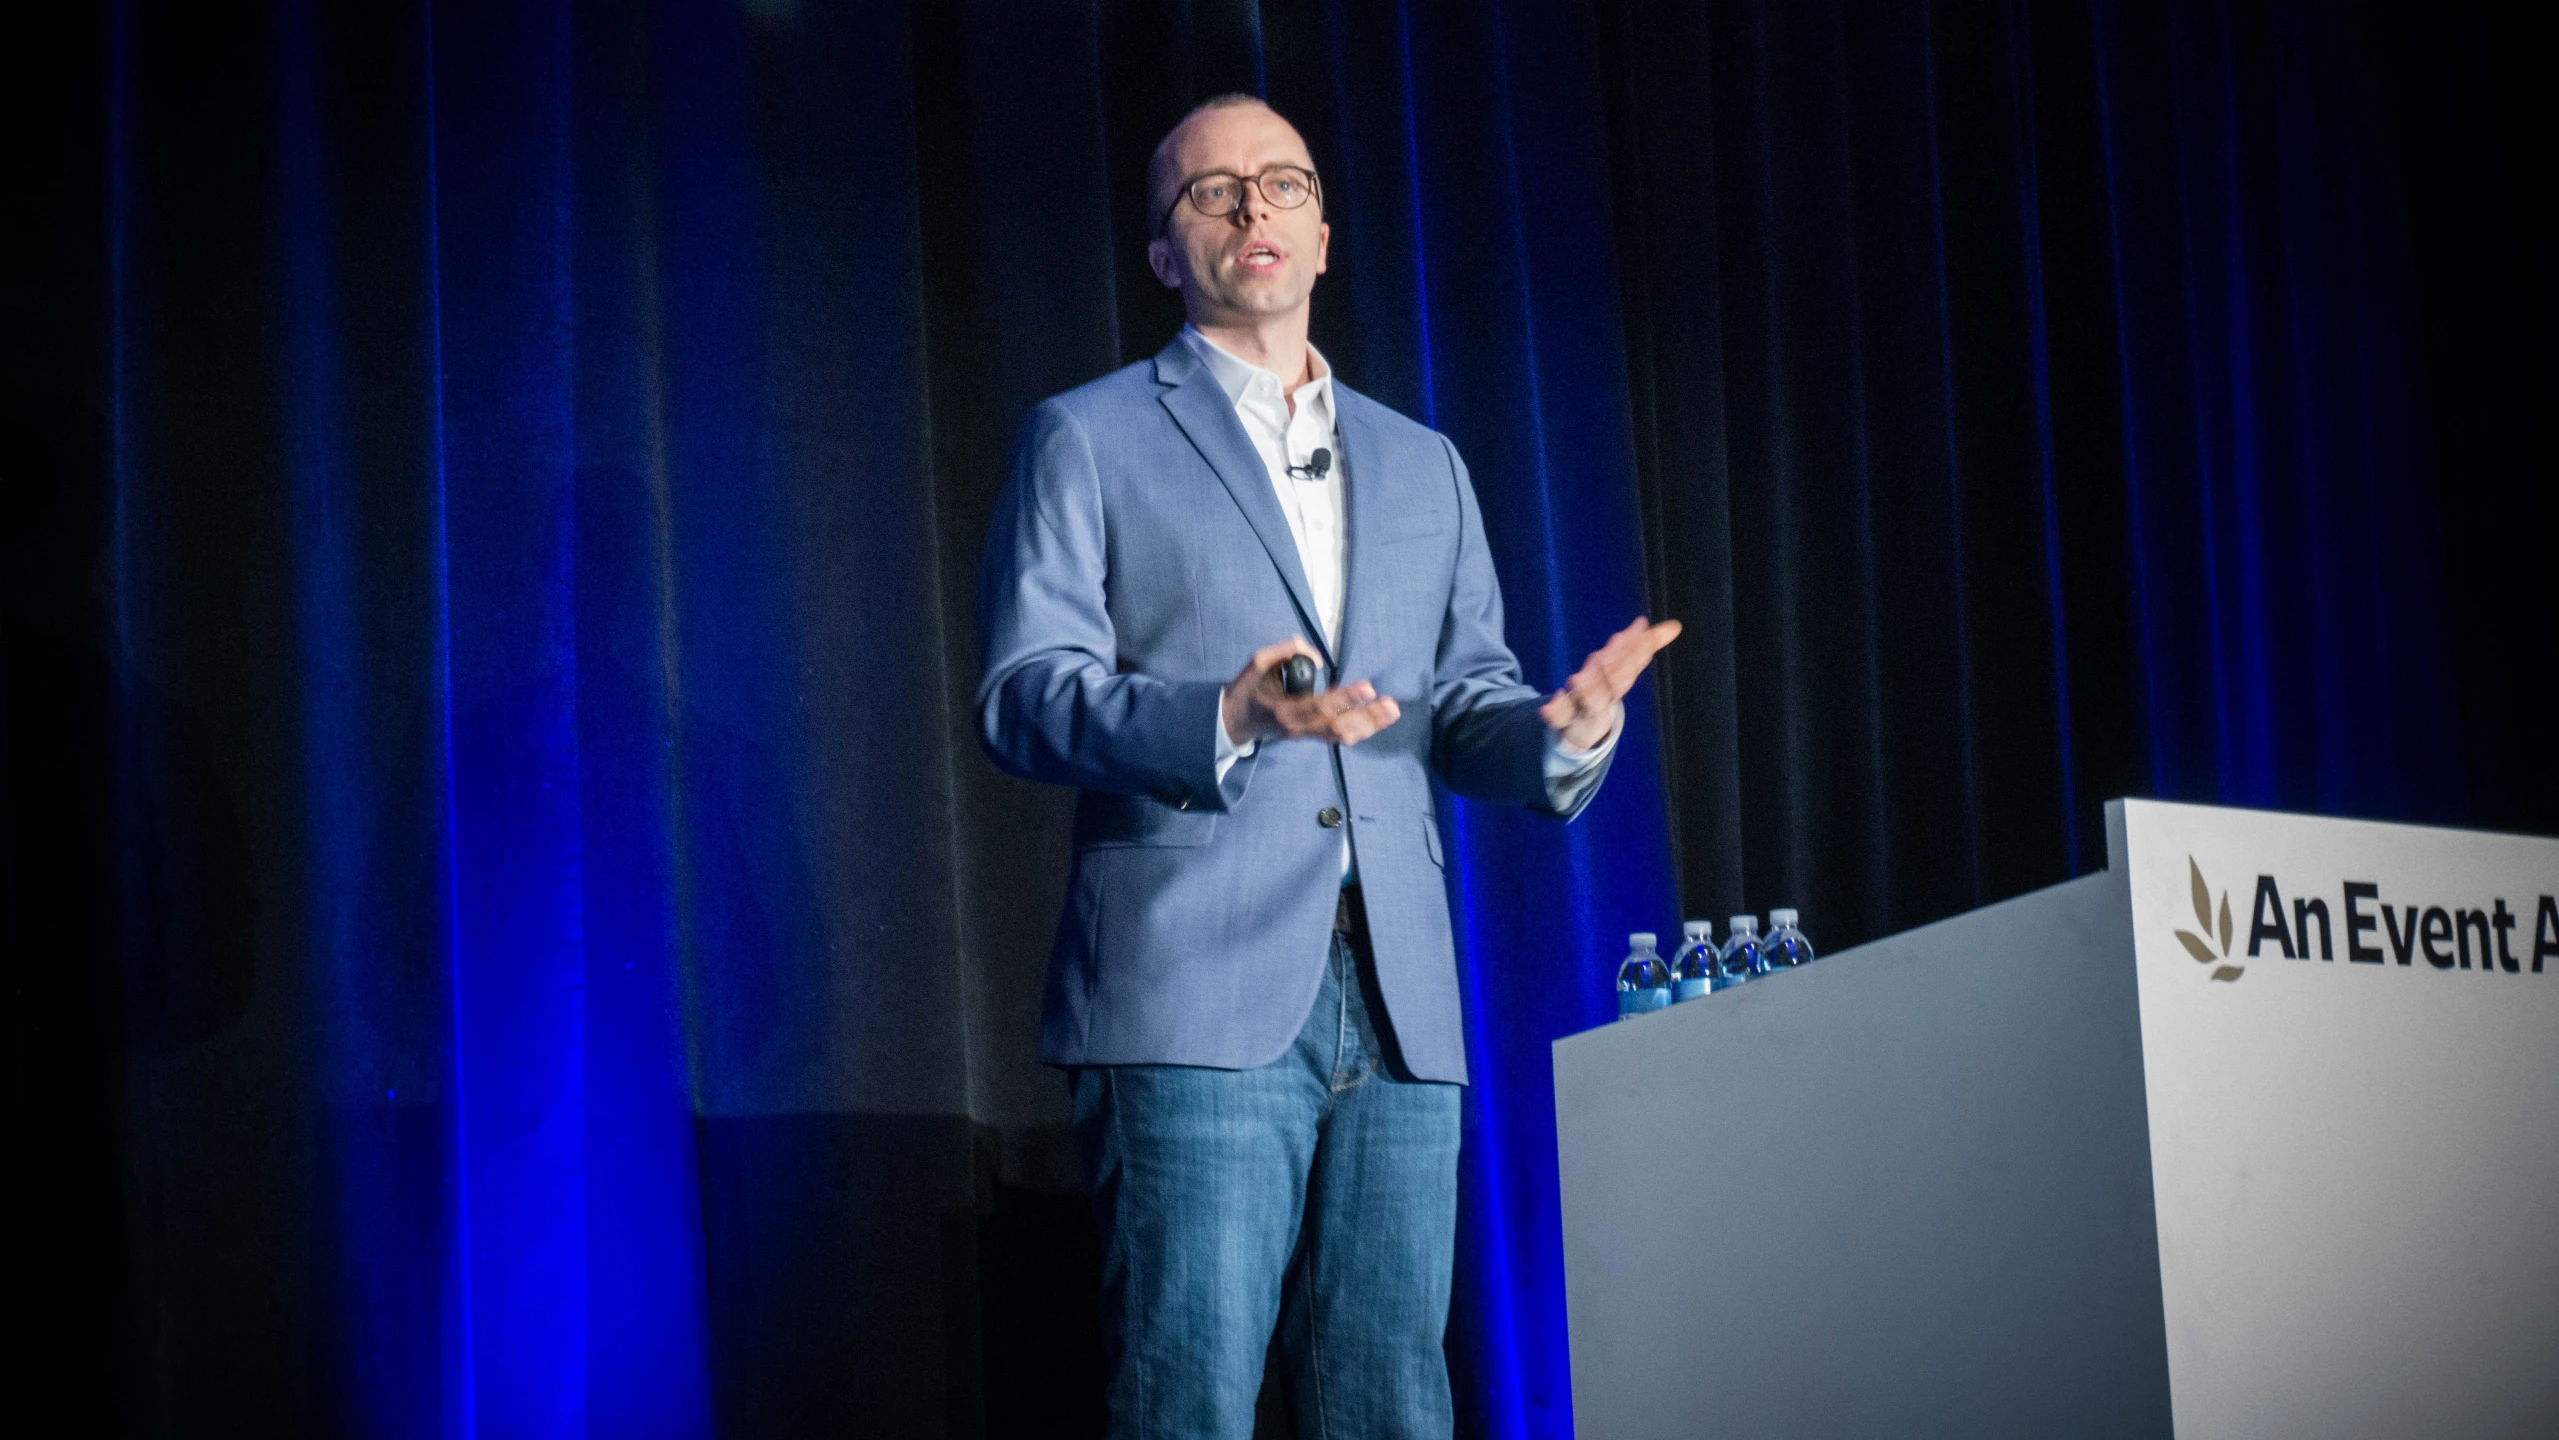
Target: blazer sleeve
(1487, 742)
(1052, 702)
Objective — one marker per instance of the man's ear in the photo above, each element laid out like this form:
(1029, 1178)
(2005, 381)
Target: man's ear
(1159, 258)
(1323, 244)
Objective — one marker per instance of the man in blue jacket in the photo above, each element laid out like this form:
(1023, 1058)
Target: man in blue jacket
(1253, 987)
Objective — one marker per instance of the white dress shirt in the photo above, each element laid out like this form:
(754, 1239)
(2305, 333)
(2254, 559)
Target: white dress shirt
(1286, 435)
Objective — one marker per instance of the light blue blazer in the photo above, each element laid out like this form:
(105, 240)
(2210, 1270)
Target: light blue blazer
(1137, 558)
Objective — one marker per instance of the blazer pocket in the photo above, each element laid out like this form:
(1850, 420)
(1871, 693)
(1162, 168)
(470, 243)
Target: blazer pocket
(1430, 841)
(1103, 821)
(1407, 534)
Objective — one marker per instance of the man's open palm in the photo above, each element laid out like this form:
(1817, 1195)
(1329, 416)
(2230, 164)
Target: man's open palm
(1586, 709)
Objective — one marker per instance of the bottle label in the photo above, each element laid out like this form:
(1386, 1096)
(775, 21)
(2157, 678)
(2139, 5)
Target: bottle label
(1691, 989)
(1639, 1002)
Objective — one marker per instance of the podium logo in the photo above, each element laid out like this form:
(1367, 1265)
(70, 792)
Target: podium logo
(2201, 946)
(2448, 936)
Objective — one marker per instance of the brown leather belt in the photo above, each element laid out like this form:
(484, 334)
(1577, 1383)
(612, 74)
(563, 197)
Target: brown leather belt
(1350, 917)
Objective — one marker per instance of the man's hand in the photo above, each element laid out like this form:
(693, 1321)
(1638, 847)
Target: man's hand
(1586, 709)
(1257, 708)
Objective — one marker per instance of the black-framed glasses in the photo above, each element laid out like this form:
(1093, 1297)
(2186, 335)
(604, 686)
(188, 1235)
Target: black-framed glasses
(1217, 193)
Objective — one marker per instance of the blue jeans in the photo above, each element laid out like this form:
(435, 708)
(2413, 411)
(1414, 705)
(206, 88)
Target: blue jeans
(1316, 1195)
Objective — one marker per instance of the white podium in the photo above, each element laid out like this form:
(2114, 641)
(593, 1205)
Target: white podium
(2254, 1134)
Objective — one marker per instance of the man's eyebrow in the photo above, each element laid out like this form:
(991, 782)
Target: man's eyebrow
(1306, 165)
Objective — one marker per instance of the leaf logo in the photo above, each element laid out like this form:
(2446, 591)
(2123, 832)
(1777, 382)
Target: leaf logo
(2200, 946)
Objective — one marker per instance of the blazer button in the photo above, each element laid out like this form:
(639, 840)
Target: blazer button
(1329, 818)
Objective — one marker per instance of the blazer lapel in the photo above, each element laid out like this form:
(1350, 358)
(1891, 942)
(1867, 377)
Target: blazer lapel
(1364, 469)
(1207, 417)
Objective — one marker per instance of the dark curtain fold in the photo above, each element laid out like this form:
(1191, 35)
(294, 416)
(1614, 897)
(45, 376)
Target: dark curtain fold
(2029, 405)
(513, 927)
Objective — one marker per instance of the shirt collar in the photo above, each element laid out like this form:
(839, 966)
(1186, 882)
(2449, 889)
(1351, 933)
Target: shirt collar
(1242, 380)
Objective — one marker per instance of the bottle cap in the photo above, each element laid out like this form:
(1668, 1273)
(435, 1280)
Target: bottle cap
(1641, 939)
(1781, 917)
(1697, 929)
(1746, 924)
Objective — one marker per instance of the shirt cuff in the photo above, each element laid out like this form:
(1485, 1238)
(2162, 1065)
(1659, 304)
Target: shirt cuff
(1228, 752)
(1562, 759)
(1569, 771)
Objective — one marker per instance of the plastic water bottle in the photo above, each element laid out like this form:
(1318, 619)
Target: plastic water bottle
(1740, 959)
(1643, 982)
(1786, 947)
(1773, 959)
(1692, 970)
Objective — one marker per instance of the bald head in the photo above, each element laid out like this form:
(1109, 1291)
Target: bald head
(1165, 170)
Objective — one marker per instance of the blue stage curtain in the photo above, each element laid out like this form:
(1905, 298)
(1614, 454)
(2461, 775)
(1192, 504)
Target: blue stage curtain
(492, 798)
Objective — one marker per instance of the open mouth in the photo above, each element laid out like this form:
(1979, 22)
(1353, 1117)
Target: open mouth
(1258, 258)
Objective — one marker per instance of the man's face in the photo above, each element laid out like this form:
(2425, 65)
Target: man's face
(1259, 261)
